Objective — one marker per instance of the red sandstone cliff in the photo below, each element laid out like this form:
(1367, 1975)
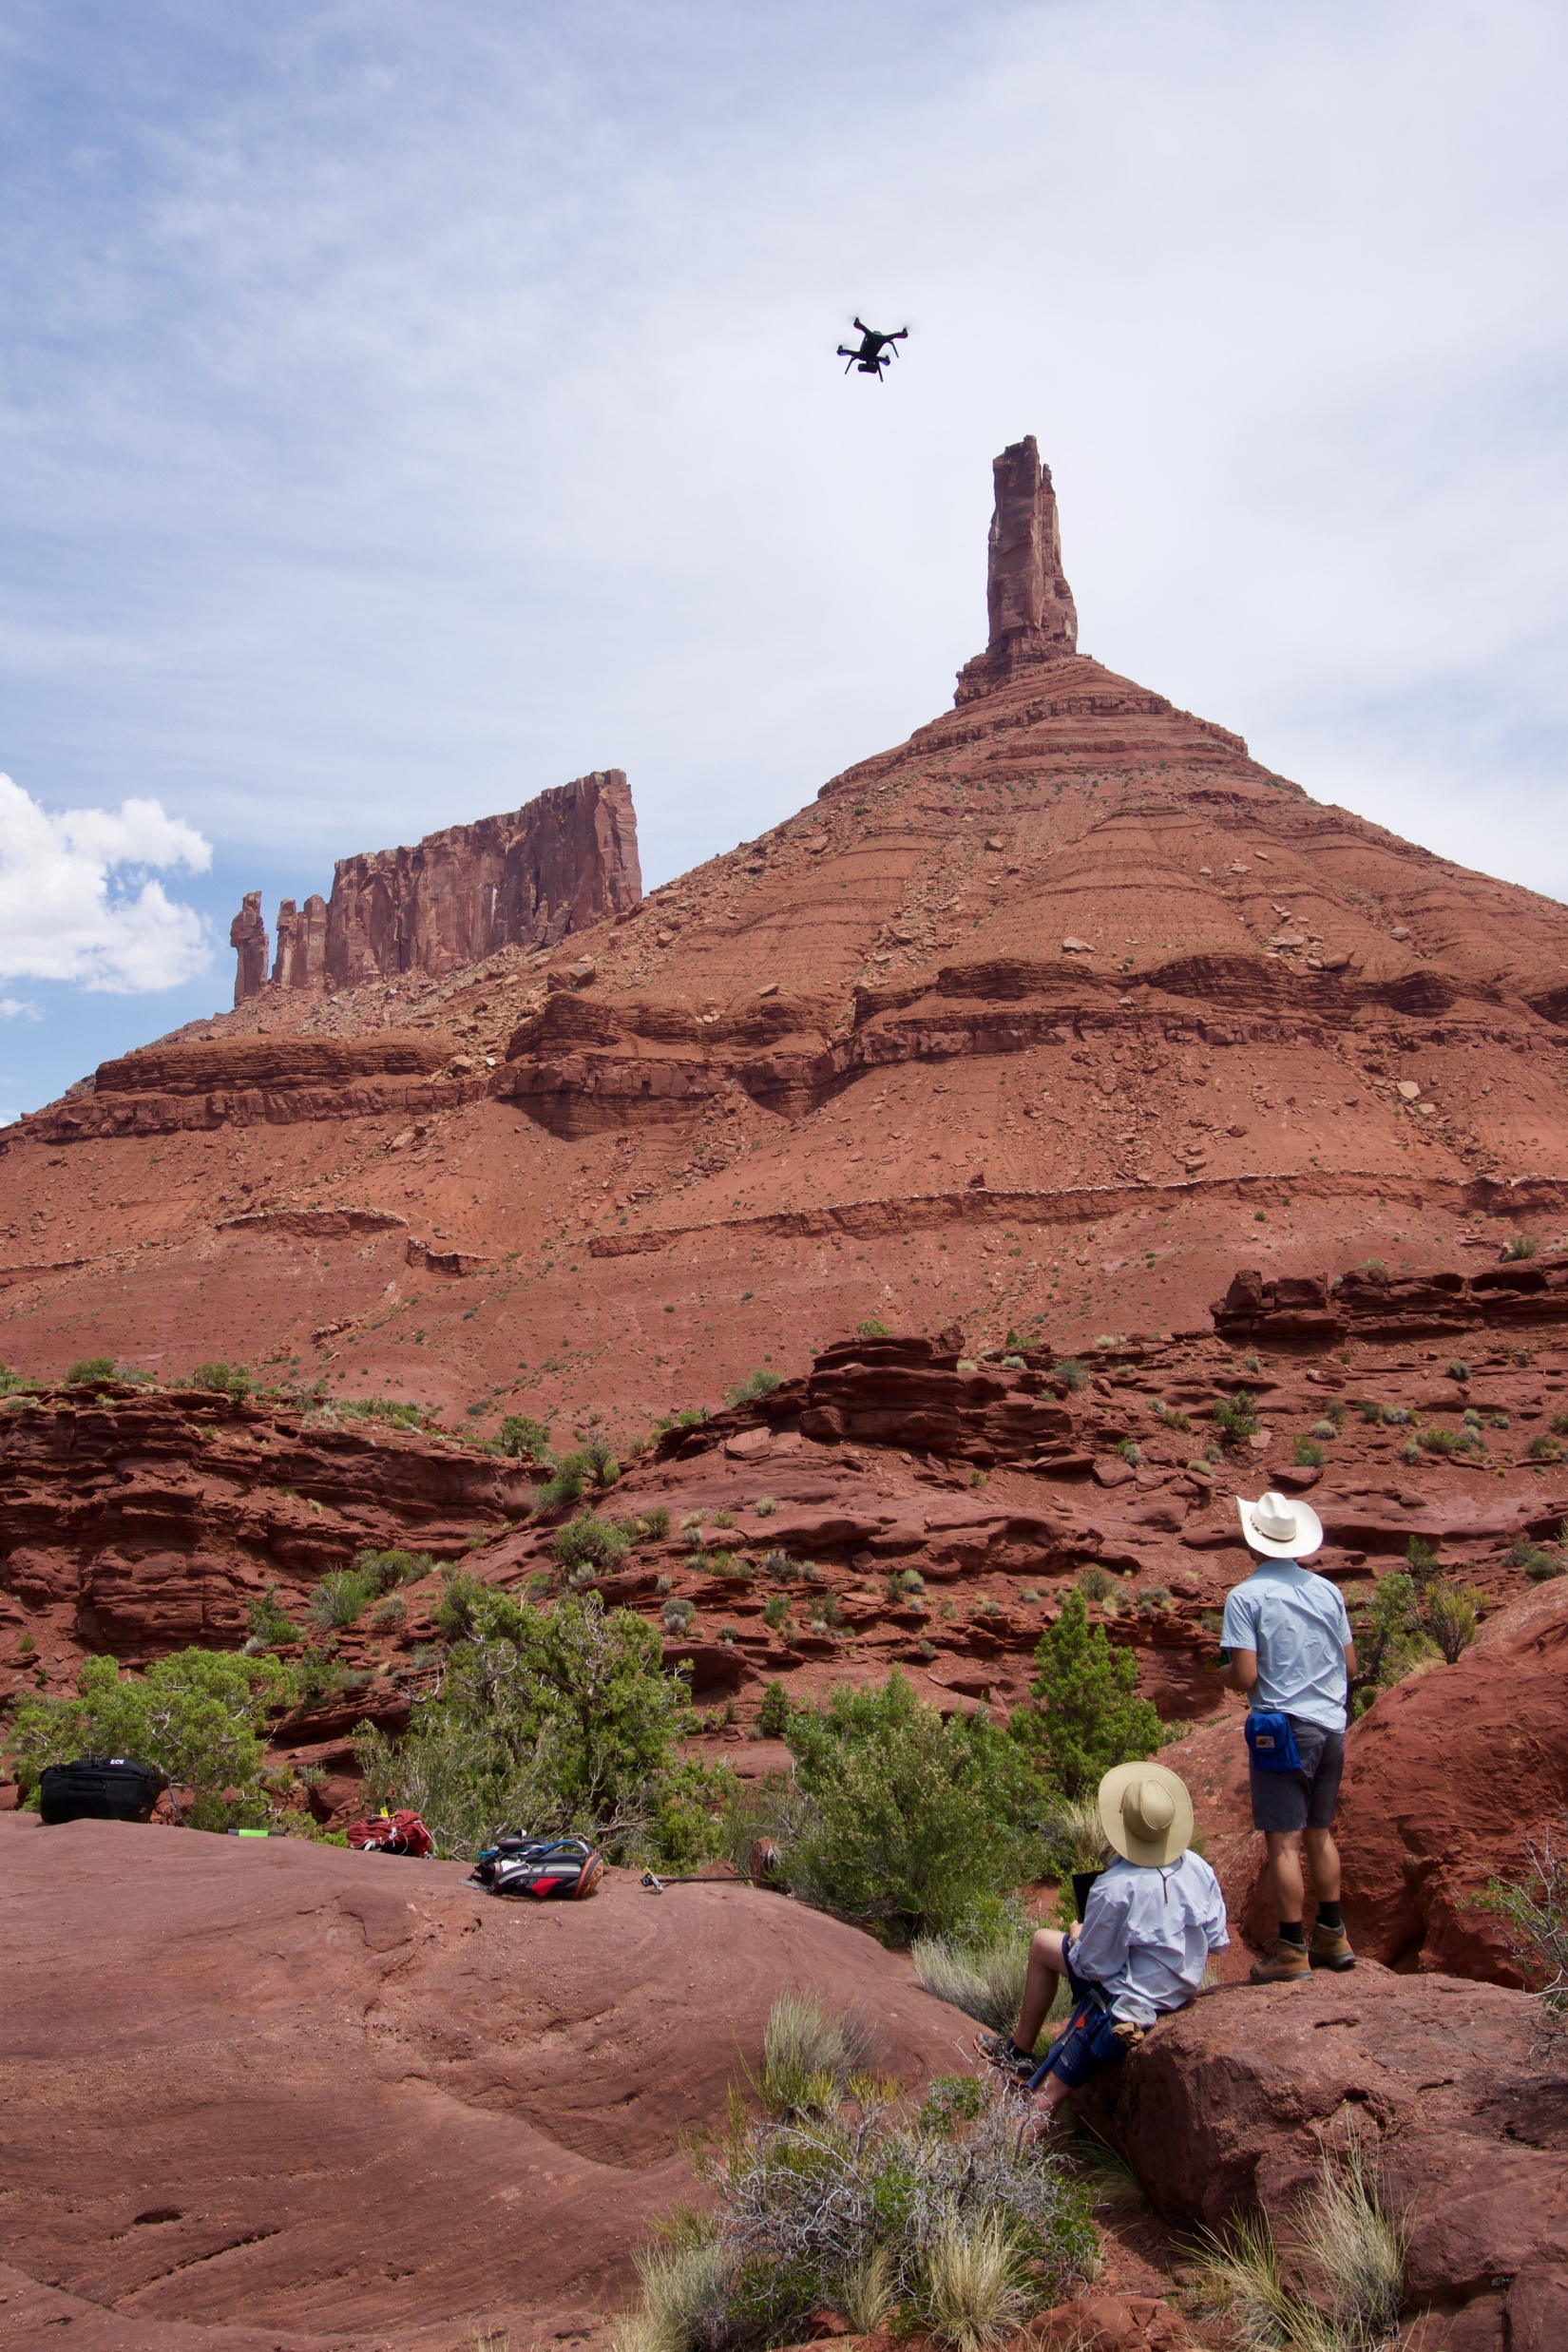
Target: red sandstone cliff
(558, 864)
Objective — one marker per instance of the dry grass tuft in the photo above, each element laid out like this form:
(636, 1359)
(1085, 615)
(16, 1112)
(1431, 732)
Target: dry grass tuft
(810, 2058)
(972, 2291)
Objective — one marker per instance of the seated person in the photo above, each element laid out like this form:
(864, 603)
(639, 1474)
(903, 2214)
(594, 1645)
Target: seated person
(1151, 1921)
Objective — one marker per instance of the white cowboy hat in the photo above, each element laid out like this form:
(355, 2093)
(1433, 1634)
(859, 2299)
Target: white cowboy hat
(1279, 1528)
(1146, 1813)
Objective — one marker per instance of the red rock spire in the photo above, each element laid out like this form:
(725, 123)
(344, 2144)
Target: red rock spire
(1033, 618)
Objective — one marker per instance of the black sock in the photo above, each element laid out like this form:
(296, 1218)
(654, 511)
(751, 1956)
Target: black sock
(1327, 1916)
(1289, 1932)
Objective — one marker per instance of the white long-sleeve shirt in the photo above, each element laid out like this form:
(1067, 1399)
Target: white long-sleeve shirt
(1147, 1935)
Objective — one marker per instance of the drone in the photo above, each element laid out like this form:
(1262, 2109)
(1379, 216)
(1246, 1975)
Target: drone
(871, 355)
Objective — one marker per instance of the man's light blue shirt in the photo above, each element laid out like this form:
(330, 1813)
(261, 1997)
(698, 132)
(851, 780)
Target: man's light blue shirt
(1295, 1620)
(1147, 1935)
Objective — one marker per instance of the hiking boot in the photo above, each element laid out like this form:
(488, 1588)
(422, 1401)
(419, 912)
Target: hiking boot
(1330, 1948)
(1285, 1964)
(997, 2049)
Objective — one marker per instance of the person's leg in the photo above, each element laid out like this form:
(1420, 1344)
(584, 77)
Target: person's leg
(1285, 1879)
(1323, 1862)
(1047, 1966)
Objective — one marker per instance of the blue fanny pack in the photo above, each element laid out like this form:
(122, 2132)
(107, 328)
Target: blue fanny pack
(1272, 1742)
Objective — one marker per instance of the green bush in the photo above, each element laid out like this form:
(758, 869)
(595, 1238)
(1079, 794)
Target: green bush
(526, 1440)
(1459, 1369)
(759, 1383)
(564, 1484)
(1309, 1455)
(1323, 1430)
(588, 1542)
(1087, 1714)
(1389, 1635)
(1536, 1907)
(1370, 1411)
(1131, 1452)
(653, 1526)
(462, 1596)
(1237, 1417)
(340, 1600)
(778, 1564)
(199, 1718)
(224, 1379)
(1542, 1449)
(549, 1719)
(1094, 1584)
(776, 1609)
(389, 1614)
(1072, 1372)
(772, 1716)
(914, 1825)
(677, 1614)
(269, 1623)
(382, 1571)
(1448, 1616)
(872, 1328)
(936, 2221)
(91, 1373)
(1522, 1244)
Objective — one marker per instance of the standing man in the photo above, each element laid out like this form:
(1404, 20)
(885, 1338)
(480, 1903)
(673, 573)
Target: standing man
(1291, 1655)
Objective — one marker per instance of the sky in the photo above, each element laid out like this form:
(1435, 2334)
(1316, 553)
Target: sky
(406, 407)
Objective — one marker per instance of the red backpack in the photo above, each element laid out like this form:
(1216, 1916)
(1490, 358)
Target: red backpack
(391, 1833)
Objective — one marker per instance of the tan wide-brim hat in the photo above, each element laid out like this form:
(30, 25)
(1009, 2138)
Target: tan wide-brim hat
(1146, 1813)
(1279, 1528)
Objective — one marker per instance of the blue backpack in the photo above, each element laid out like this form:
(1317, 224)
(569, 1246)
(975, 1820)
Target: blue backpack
(1273, 1741)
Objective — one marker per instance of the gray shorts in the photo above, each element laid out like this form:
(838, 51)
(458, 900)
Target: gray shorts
(1304, 1800)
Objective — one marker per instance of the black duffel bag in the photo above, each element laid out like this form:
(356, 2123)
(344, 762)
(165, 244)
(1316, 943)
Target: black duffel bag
(99, 1789)
(559, 1869)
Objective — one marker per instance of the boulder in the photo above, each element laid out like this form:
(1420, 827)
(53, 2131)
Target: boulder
(341, 2098)
(1236, 2101)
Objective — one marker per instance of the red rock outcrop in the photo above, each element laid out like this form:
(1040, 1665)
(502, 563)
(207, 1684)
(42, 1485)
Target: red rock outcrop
(248, 938)
(1235, 2102)
(1033, 619)
(301, 958)
(344, 2098)
(559, 864)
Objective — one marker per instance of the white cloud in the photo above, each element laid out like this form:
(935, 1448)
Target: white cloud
(77, 901)
(11, 1007)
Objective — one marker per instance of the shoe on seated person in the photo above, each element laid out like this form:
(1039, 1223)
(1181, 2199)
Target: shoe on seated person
(997, 2049)
(1287, 1963)
(1330, 1948)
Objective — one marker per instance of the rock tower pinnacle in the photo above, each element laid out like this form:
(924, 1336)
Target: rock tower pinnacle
(1033, 618)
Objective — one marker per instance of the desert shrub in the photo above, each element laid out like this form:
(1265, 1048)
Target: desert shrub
(677, 1614)
(1522, 1244)
(269, 1623)
(1448, 1616)
(341, 1599)
(936, 2220)
(1131, 1452)
(772, 1716)
(564, 1484)
(1072, 1838)
(1389, 1636)
(599, 1460)
(1544, 1565)
(1370, 1411)
(1536, 1908)
(389, 1614)
(1323, 1430)
(1153, 1598)
(1559, 1424)
(1094, 1584)
(779, 1565)
(809, 2057)
(1459, 1369)
(224, 1379)
(906, 1584)
(1410, 1451)
(776, 1609)
(1397, 1416)
(765, 1506)
(914, 1825)
(985, 1980)
(598, 1544)
(549, 1719)
(1542, 1449)
(727, 1564)
(1309, 1455)
(1087, 1714)
(1235, 1416)
(1500, 1421)
(1072, 1372)
(873, 1328)
(759, 1383)
(462, 1595)
(1349, 2243)
(383, 1570)
(199, 1718)
(317, 1675)
(91, 1371)
(525, 1439)
(651, 1526)
(1170, 1418)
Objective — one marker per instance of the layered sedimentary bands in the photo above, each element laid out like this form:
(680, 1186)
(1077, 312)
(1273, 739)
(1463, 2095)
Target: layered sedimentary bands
(1013, 1048)
(561, 864)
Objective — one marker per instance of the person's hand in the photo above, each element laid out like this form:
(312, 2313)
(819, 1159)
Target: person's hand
(1074, 1931)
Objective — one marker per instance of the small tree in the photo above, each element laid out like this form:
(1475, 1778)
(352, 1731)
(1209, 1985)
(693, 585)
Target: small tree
(526, 1440)
(1088, 1715)
(197, 1717)
(90, 1373)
